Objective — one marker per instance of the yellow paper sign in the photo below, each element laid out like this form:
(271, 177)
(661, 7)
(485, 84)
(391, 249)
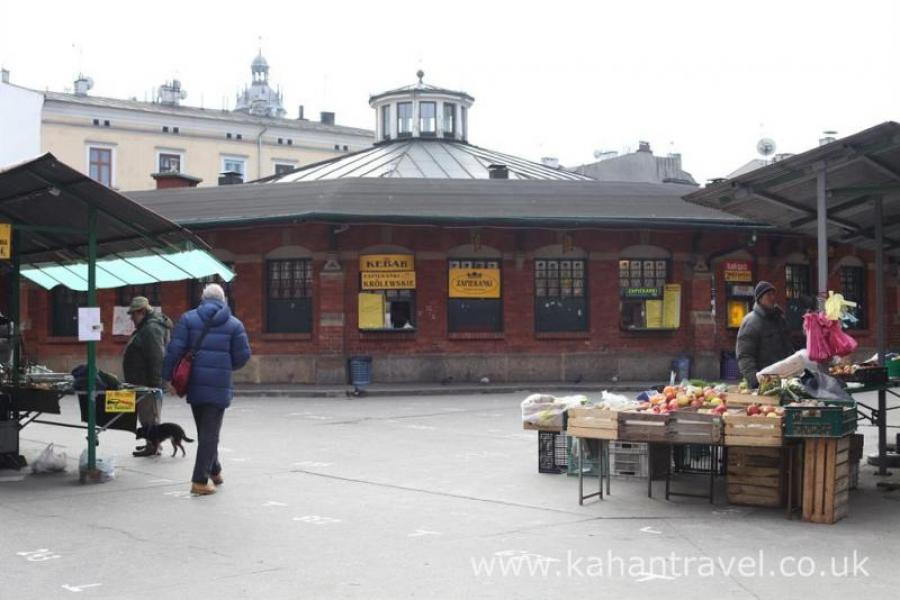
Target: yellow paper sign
(474, 283)
(5, 241)
(654, 314)
(371, 311)
(386, 263)
(737, 310)
(120, 401)
(378, 280)
(672, 306)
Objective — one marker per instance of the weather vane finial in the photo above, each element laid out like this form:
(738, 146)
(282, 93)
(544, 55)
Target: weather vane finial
(420, 74)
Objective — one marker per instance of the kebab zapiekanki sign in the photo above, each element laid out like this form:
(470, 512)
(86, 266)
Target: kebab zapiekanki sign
(387, 272)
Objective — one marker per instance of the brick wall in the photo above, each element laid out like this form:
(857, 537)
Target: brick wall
(430, 353)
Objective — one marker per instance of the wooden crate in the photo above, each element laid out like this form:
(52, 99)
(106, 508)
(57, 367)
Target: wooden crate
(533, 427)
(826, 479)
(736, 399)
(755, 476)
(643, 426)
(594, 423)
(691, 427)
(743, 430)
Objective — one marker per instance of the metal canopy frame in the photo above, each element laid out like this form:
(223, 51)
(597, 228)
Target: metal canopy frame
(60, 216)
(847, 191)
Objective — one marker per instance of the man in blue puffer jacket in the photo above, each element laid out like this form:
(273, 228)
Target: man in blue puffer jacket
(224, 348)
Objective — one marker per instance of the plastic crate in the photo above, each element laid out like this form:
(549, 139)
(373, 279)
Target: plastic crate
(820, 421)
(627, 448)
(867, 376)
(552, 452)
(629, 465)
(591, 464)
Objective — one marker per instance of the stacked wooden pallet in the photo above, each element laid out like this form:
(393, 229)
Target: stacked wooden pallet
(755, 476)
(826, 479)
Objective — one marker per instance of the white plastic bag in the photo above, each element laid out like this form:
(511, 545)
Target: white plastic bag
(105, 468)
(615, 401)
(49, 461)
(788, 367)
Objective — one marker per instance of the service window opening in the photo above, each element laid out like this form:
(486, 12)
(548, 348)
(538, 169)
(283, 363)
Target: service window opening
(387, 293)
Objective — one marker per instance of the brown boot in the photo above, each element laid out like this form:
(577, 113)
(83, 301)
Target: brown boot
(202, 489)
(217, 479)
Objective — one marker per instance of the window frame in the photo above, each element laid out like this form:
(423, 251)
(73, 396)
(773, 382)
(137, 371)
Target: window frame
(125, 293)
(64, 316)
(225, 158)
(400, 131)
(464, 122)
(862, 300)
(560, 298)
(169, 153)
(386, 122)
(794, 287)
(111, 150)
(195, 288)
(449, 133)
(280, 164)
(308, 289)
(423, 132)
(483, 263)
(641, 281)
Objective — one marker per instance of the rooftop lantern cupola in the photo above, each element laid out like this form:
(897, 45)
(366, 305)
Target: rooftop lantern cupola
(259, 99)
(421, 111)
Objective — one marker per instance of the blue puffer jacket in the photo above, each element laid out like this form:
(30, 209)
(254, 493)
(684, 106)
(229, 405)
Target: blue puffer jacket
(225, 349)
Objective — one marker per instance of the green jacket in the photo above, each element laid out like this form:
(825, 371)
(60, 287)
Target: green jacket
(763, 339)
(142, 362)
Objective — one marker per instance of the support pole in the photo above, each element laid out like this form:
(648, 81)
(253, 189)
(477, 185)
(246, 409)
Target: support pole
(822, 238)
(92, 346)
(15, 309)
(880, 331)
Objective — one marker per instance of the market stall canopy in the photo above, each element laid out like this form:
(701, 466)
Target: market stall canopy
(857, 168)
(48, 203)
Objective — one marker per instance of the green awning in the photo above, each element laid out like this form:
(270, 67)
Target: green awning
(133, 269)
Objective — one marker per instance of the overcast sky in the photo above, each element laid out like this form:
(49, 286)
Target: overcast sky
(563, 79)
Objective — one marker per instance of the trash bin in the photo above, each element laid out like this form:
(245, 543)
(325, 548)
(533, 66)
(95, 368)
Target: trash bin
(682, 368)
(360, 370)
(728, 367)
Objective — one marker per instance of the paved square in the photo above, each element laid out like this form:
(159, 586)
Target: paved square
(435, 497)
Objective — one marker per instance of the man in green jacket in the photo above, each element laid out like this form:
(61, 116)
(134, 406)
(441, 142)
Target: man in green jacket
(763, 338)
(142, 361)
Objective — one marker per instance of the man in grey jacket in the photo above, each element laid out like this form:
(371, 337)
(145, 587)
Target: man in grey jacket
(763, 338)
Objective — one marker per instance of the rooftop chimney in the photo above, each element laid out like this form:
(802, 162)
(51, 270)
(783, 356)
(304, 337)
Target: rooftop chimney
(498, 171)
(327, 118)
(4, 75)
(82, 85)
(550, 161)
(171, 179)
(300, 113)
(644, 147)
(170, 93)
(230, 178)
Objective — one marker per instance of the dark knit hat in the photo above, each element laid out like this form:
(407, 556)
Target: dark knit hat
(761, 288)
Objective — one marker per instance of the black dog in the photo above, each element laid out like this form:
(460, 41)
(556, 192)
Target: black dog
(157, 434)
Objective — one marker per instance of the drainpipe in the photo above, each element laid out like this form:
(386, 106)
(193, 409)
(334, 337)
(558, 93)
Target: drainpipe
(259, 152)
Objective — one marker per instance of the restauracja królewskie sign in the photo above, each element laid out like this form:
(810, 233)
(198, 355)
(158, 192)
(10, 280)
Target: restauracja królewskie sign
(387, 272)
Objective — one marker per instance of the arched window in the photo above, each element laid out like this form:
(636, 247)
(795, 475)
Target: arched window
(387, 289)
(560, 290)
(475, 299)
(853, 288)
(797, 291)
(289, 290)
(648, 301)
